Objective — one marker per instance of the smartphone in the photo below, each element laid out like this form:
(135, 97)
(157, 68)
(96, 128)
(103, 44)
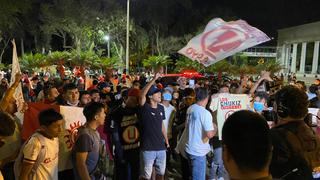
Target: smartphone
(191, 83)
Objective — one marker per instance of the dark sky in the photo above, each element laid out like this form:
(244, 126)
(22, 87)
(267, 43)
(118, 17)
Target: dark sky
(271, 15)
(266, 15)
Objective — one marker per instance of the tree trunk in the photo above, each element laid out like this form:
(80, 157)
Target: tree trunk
(5, 43)
(64, 40)
(35, 42)
(156, 31)
(22, 47)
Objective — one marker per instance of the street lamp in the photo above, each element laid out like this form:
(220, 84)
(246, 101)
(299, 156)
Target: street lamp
(127, 41)
(107, 38)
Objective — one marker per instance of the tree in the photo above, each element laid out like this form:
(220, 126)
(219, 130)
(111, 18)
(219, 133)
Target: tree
(32, 61)
(184, 63)
(154, 62)
(111, 63)
(10, 24)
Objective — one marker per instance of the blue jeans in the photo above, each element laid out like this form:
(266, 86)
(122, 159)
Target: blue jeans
(198, 167)
(217, 168)
(150, 159)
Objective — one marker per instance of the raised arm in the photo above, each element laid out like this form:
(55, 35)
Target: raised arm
(144, 91)
(265, 75)
(4, 103)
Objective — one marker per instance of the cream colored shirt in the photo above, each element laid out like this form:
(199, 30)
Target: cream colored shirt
(48, 169)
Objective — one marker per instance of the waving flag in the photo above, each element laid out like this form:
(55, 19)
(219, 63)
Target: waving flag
(221, 39)
(18, 96)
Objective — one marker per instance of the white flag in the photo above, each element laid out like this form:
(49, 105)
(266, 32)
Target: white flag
(221, 39)
(18, 95)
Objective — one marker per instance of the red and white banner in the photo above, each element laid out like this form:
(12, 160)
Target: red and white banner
(73, 118)
(221, 39)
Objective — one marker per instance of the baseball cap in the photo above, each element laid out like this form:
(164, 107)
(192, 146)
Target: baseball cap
(104, 85)
(153, 90)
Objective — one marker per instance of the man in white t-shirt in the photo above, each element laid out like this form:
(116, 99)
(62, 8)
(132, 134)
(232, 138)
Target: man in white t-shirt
(51, 124)
(199, 130)
(169, 111)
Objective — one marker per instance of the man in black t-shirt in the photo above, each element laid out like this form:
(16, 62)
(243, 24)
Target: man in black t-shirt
(126, 137)
(153, 134)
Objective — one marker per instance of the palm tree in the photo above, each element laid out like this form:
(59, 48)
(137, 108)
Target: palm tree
(32, 61)
(184, 63)
(113, 63)
(154, 62)
(59, 58)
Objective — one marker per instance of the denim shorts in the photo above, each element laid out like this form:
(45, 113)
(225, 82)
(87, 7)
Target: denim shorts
(150, 159)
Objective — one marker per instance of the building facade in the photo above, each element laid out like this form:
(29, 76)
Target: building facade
(298, 49)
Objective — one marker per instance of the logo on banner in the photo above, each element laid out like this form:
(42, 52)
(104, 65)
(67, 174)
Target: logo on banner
(72, 134)
(221, 40)
(228, 114)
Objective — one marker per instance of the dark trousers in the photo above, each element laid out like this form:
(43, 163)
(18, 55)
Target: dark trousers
(66, 174)
(128, 167)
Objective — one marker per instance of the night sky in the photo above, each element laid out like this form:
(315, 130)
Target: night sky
(267, 15)
(271, 15)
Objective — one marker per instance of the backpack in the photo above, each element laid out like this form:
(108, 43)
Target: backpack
(40, 158)
(296, 151)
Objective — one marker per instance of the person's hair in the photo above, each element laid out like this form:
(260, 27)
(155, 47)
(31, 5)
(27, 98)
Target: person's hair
(293, 100)
(91, 110)
(69, 86)
(47, 90)
(49, 116)
(313, 89)
(223, 86)
(303, 85)
(95, 82)
(201, 93)
(262, 95)
(247, 139)
(83, 93)
(136, 82)
(189, 92)
(7, 124)
(93, 91)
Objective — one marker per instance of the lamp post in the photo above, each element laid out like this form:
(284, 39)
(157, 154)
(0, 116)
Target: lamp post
(107, 38)
(127, 41)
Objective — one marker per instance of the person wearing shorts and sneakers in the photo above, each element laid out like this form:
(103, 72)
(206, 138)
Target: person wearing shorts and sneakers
(153, 134)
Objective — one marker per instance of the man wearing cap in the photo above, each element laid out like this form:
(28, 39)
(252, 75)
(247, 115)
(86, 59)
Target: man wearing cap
(153, 134)
(124, 126)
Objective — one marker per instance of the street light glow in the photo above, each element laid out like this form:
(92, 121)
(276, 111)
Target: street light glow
(106, 37)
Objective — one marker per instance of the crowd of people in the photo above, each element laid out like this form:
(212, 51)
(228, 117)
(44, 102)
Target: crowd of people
(151, 126)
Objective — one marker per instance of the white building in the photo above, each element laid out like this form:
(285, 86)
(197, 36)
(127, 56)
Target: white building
(298, 49)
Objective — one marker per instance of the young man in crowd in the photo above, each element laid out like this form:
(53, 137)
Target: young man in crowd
(296, 147)
(50, 95)
(70, 95)
(85, 98)
(247, 146)
(126, 137)
(85, 153)
(170, 114)
(45, 139)
(153, 135)
(199, 130)
(95, 95)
